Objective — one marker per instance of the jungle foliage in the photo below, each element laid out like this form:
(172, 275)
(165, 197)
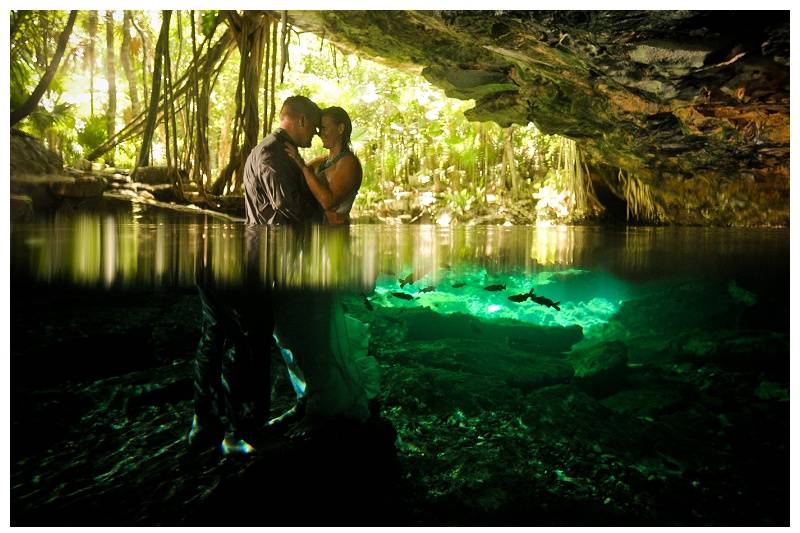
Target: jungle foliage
(196, 90)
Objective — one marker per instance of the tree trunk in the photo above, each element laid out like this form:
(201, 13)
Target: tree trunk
(284, 43)
(33, 100)
(200, 166)
(143, 37)
(41, 52)
(250, 39)
(111, 77)
(125, 59)
(170, 126)
(206, 65)
(150, 125)
(92, 39)
(273, 62)
(268, 33)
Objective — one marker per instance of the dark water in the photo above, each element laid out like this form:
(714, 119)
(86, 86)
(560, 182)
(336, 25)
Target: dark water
(661, 376)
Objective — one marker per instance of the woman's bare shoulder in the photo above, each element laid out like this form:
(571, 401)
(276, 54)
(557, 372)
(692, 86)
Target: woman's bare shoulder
(350, 160)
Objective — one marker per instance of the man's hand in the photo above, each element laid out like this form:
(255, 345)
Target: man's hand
(295, 156)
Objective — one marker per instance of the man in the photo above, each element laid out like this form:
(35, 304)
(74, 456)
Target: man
(275, 190)
(232, 362)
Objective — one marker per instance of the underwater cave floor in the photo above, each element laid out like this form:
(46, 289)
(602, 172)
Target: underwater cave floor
(673, 440)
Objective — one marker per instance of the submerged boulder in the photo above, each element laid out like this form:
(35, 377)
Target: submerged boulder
(492, 362)
(423, 324)
(599, 367)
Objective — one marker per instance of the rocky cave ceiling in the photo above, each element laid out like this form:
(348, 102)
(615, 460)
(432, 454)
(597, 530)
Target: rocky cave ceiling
(694, 104)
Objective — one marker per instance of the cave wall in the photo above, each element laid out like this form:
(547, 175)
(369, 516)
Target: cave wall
(694, 104)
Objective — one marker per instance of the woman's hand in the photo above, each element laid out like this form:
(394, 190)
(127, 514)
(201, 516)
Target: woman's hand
(294, 155)
(335, 218)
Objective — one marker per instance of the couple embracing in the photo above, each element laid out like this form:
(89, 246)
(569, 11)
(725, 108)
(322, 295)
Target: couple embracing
(323, 350)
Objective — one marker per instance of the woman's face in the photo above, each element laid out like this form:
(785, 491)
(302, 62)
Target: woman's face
(330, 132)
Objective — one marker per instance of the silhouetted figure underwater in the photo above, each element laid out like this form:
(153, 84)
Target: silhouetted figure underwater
(328, 346)
(232, 363)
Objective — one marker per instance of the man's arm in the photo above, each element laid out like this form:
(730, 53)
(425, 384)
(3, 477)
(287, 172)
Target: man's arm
(281, 182)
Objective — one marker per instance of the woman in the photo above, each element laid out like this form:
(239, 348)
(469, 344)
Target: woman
(326, 351)
(334, 180)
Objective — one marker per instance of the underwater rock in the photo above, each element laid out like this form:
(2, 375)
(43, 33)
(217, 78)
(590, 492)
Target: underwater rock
(753, 352)
(422, 324)
(430, 390)
(567, 414)
(735, 350)
(650, 401)
(491, 361)
(655, 326)
(599, 367)
(768, 390)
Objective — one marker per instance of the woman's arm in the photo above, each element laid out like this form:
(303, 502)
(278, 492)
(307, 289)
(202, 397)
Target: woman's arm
(316, 162)
(344, 178)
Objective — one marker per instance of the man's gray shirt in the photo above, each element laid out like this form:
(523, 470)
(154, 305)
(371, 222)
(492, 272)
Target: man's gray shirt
(275, 189)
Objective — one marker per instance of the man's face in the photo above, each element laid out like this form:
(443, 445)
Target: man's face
(307, 129)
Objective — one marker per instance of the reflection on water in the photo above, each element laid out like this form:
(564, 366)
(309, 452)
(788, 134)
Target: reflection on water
(129, 249)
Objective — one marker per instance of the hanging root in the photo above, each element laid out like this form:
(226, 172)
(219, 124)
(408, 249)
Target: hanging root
(577, 180)
(639, 199)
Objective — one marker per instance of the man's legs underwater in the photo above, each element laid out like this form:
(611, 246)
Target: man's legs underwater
(232, 382)
(246, 368)
(208, 424)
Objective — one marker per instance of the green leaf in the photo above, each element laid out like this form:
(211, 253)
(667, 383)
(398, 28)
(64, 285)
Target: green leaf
(208, 22)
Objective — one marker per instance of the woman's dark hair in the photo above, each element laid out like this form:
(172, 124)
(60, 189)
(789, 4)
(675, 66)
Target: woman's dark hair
(340, 116)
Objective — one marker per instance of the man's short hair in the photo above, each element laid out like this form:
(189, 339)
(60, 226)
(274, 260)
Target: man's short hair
(298, 105)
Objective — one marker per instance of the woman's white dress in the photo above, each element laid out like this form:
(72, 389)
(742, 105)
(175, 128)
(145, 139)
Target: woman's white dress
(325, 349)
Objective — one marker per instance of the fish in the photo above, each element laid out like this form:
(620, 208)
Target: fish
(542, 300)
(429, 288)
(367, 303)
(475, 328)
(458, 285)
(406, 280)
(519, 298)
(402, 295)
(495, 288)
